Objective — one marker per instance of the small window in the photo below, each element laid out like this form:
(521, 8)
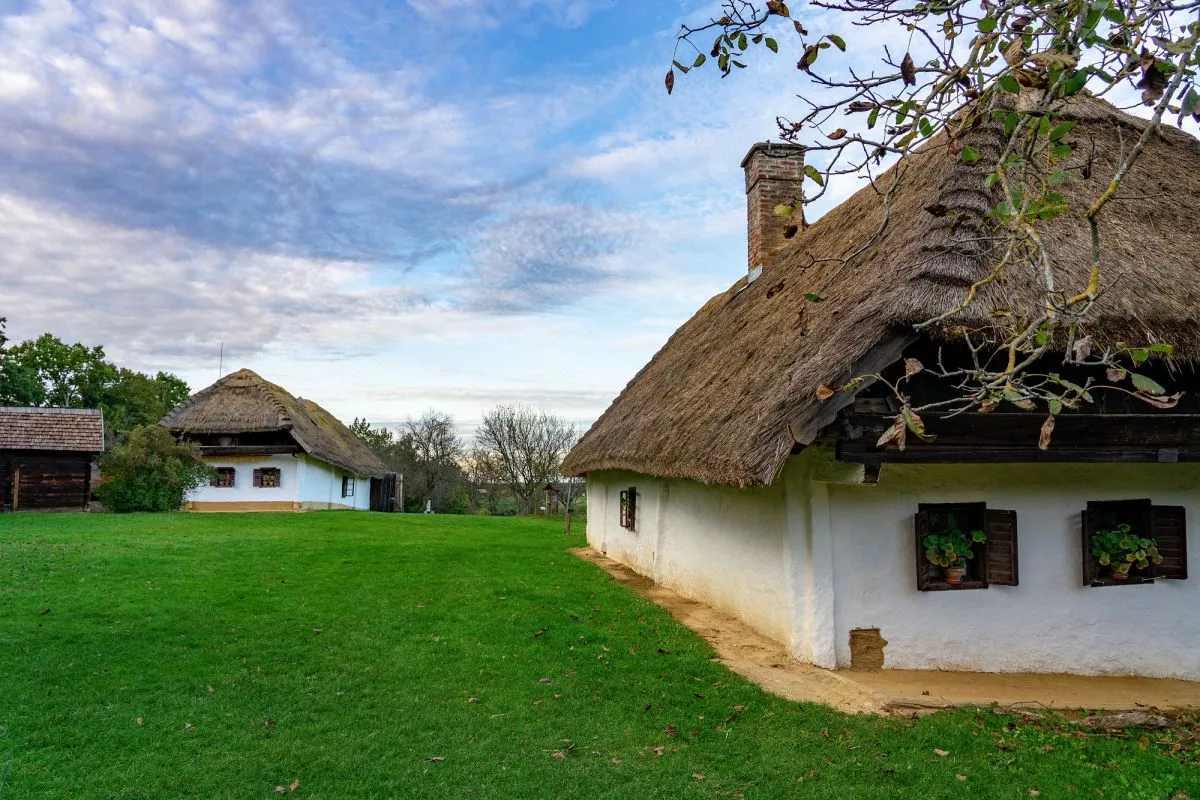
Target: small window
(1155, 537)
(224, 478)
(985, 541)
(266, 478)
(347, 486)
(629, 509)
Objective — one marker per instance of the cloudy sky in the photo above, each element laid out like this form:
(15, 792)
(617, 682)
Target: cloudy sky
(385, 205)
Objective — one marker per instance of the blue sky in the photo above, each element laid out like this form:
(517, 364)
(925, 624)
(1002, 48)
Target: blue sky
(382, 205)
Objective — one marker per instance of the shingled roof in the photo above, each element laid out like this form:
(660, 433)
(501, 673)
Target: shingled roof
(244, 402)
(79, 430)
(733, 391)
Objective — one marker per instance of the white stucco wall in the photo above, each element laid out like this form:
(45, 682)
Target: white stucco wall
(303, 479)
(1051, 622)
(321, 487)
(819, 554)
(721, 546)
(244, 490)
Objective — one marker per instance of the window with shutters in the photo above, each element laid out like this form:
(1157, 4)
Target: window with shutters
(224, 479)
(266, 478)
(629, 509)
(1165, 525)
(347, 486)
(993, 561)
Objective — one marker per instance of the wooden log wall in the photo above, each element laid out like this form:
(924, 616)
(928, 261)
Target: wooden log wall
(44, 480)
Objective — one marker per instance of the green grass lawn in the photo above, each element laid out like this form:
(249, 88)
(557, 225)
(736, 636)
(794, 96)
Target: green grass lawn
(381, 656)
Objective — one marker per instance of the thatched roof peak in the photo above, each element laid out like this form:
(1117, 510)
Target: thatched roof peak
(244, 402)
(733, 391)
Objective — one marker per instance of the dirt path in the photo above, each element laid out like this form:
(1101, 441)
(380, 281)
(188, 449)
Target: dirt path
(767, 663)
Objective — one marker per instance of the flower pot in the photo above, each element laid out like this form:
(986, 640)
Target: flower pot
(953, 575)
(1120, 572)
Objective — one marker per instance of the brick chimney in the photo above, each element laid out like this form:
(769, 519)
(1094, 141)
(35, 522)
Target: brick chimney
(773, 175)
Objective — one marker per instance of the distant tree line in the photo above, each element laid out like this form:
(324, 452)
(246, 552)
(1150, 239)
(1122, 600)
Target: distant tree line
(515, 453)
(47, 371)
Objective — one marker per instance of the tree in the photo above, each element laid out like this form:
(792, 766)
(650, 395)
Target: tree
(19, 385)
(956, 86)
(47, 371)
(527, 448)
(437, 449)
(482, 478)
(150, 471)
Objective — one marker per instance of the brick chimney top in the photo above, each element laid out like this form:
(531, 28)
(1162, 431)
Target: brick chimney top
(774, 172)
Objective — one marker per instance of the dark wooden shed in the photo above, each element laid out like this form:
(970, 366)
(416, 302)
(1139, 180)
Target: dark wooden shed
(46, 457)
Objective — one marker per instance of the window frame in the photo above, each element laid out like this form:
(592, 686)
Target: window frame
(628, 509)
(261, 474)
(348, 486)
(1144, 519)
(996, 561)
(216, 482)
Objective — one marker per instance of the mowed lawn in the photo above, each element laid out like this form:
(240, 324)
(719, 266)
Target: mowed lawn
(338, 655)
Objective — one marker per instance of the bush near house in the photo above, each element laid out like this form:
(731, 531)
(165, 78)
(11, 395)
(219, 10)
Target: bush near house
(342, 655)
(150, 471)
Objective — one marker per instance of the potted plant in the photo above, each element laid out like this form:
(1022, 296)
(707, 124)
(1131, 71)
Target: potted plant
(1120, 550)
(951, 551)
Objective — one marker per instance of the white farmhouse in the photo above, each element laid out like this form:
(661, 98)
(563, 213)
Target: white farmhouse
(275, 452)
(728, 471)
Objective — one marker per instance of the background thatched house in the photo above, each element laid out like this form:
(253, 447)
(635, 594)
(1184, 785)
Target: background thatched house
(46, 457)
(276, 452)
(718, 472)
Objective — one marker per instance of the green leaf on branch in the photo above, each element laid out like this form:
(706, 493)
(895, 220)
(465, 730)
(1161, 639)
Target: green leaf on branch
(772, 45)
(699, 62)
(1162, 347)
(987, 24)
(1075, 83)
(1009, 84)
(969, 155)
(1147, 385)
(813, 173)
(838, 41)
(1059, 131)
(1139, 355)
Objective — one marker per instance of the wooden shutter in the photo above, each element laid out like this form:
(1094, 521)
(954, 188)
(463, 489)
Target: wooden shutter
(1088, 527)
(258, 478)
(1168, 528)
(1000, 550)
(633, 508)
(921, 525)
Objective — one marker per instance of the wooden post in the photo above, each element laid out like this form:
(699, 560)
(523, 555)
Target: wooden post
(570, 493)
(16, 489)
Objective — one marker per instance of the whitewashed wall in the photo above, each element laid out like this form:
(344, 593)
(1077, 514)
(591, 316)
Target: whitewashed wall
(321, 487)
(818, 554)
(244, 490)
(718, 545)
(1051, 622)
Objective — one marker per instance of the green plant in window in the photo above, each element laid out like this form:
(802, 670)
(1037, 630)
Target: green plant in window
(951, 550)
(1120, 550)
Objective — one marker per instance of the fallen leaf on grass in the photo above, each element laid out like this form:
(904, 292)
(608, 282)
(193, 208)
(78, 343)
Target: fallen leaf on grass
(211, 690)
(187, 726)
(540, 632)
(961, 777)
(696, 776)
(940, 752)
(671, 730)
(658, 751)
(1034, 793)
(270, 723)
(139, 722)
(472, 699)
(559, 755)
(293, 786)
(543, 680)
(436, 759)
(616, 761)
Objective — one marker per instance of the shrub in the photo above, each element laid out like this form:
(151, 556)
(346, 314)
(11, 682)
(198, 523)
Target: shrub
(150, 472)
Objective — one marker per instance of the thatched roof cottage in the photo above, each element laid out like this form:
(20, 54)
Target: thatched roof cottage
(276, 452)
(719, 472)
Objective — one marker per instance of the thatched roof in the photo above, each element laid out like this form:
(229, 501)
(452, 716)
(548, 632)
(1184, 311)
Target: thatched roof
(79, 430)
(734, 389)
(243, 402)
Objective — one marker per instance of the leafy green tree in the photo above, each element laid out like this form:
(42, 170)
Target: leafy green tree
(19, 385)
(72, 375)
(150, 471)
